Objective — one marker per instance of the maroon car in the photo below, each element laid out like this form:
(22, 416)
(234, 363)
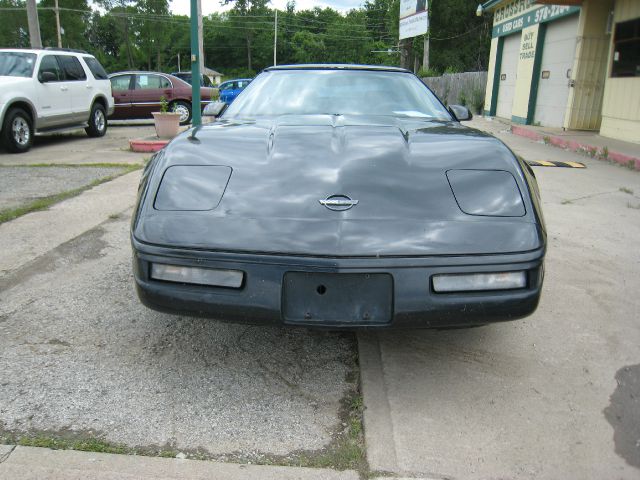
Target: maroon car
(137, 94)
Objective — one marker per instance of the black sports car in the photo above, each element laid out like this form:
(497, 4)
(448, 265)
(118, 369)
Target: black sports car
(339, 196)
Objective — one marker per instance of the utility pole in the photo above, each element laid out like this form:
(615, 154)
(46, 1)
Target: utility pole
(275, 39)
(425, 54)
(425, 58)
(200, 37)
(195, 64)
(57, 10)
(34, 24)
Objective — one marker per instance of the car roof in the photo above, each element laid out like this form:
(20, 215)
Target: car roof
(337, 66)
(48, 50)
(144, 72)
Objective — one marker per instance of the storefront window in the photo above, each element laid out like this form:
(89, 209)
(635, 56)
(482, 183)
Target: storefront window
(626, 49)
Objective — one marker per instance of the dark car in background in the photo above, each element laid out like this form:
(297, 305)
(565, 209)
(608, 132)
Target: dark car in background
(230, 89)
(339, 196)
(186, 76)
(138, 94)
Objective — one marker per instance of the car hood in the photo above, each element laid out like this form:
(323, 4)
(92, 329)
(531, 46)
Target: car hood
(283, 167)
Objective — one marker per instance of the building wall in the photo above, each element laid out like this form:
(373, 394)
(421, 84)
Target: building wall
(490, 76)
(526, 59)
(524, 16)
(590, 67)
(621, 102)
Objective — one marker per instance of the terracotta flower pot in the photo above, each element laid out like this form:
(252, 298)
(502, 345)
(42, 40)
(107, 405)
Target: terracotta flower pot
(167, 124)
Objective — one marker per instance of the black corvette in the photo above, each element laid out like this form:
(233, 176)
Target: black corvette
(339, 196)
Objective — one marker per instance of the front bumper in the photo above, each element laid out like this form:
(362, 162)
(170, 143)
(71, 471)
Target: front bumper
(414, 303)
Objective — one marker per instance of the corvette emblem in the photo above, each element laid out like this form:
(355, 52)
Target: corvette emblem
(338, 203)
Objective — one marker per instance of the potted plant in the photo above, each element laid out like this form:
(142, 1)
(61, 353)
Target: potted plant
(167, 123)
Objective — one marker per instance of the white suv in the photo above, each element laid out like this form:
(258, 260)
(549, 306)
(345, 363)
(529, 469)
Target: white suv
(49, 90)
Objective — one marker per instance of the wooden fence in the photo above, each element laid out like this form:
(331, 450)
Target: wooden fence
(466, 88)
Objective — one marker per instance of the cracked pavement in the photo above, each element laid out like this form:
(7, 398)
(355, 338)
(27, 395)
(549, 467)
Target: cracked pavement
(82, 357)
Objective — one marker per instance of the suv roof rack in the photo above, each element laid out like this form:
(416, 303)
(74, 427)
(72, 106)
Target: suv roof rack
(72, 50)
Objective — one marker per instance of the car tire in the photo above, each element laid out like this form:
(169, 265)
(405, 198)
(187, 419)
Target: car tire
(17, 131)
(184, 109)
(97, 121)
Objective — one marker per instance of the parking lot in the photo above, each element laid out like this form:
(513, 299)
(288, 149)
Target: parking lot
(552, 396)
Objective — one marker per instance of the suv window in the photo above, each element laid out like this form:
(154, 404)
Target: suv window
(96, 69)
(149, 82)
(49, 63)
(72, 68)
(17, 64)
(121, 82)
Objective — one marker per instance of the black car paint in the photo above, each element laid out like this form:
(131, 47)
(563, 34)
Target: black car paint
(407, 223)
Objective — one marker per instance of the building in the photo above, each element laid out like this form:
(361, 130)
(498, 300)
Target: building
(215, 77)
(573, 64)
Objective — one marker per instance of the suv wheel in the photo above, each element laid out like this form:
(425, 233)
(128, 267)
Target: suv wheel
(17, 131)
(97, 121)
(184, 109)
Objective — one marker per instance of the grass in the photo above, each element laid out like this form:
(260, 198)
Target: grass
(43, 203)
(626, 190)
(131, 166)
(89, 444)
(346, 452)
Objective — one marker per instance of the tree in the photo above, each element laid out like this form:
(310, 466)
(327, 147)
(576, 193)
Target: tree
(14, 31)
(74, 18)
(247, 15)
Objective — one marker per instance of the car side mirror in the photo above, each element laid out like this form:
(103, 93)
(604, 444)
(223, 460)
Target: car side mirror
(214, 109)
(46, 77)
(460, 112)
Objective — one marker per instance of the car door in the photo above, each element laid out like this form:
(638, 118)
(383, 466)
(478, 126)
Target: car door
(148, 89)
(226, 92)
(53, 94)
(79, 87)
(122, 91)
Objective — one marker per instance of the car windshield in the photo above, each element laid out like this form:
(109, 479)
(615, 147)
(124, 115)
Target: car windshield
(337, 92)
(17, 64)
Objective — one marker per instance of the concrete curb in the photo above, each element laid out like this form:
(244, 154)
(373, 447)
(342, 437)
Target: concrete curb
(378, 424)
(558, 141)
(31, 463)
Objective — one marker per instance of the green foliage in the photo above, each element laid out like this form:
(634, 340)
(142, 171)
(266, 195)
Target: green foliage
(143, 34)
(430, 72)
(476, 101)
(164, 105)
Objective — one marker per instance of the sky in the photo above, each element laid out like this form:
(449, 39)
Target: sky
(182, 7)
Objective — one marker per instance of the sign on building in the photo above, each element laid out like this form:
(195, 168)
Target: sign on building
(414, 18)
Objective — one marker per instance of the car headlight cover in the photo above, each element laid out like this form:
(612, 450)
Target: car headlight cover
(197, 275)
(479, 281)
(492, 193)
(192, 187)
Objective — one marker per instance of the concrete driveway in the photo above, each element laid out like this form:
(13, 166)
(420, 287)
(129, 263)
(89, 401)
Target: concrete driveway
(553, 396)
(556, 395)
(75, 147)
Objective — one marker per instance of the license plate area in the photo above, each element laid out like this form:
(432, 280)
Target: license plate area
(337, 298)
